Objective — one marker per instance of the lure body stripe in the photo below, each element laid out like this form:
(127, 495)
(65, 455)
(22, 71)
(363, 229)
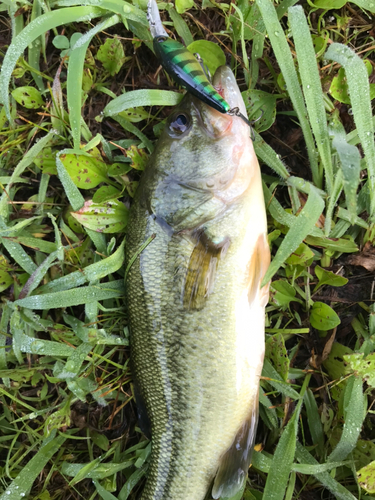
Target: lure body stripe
(186, 70)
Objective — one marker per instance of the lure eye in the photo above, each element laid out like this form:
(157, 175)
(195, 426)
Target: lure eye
(161, 39)
(179, 124)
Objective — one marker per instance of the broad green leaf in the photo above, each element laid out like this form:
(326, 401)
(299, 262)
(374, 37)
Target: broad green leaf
(366, 478)
(353, 419)
(328, 278)
(312, 88)
(363, 366)
(363, 453)
(85, 171)
(365, 4)
(210, 52)
(301, 228)
(106, 193)
(184, 5)
(260, 104)
(46, 161)
(277, 353)
(359, 91)
(61, 42)
(21, 485)
(108, 217)
(111, 55)
(139, 157)
(142, 97)
(335, 364)
(5, 280)
(301, 255)
(29, 97)
(339, 87)
(282, 293)
(323, 317)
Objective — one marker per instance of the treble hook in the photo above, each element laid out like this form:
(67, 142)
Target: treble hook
(236, 112)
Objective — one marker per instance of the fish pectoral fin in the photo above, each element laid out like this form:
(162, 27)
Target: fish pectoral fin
(201, 270)
(235, 462)
(258, 265)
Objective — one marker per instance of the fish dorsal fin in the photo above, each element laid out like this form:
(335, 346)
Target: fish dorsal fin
(235, 462)
(201, 271)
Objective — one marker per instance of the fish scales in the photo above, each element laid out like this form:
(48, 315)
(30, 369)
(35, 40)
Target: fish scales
(195, 305)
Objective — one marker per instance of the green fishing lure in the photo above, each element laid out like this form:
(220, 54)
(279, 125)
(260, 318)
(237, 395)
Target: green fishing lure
(186, 68)
(183, 66)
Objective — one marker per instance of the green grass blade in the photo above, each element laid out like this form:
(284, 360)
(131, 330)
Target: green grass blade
(16, 251)
(132, 482)
(315, 424)
(126, 125)
(73, 297)
(286, 63)
(277, 479)
(34, 48)
(353, 416)
(22, 165)
(359, 91)
(75, 76)
(124, 9)
(312, 88)
(38, 274)
(72, 192)
(277, 381)
(339, 491)
(21, 485)
(105, 495)
(32, 31)
(350, 162)
(93, 272)
(32, 345)
(180, 25)
(301, 228)
(143, 97)
(269, 156)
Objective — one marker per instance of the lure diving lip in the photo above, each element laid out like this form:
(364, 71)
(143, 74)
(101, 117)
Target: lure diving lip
(184, 68)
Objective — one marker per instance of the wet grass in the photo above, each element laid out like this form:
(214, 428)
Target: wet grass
(78, 121)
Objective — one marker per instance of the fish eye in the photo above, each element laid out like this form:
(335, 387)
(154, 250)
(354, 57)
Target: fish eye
(179, 124)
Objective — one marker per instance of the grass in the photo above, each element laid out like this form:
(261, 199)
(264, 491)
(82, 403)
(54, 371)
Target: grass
(82, 104)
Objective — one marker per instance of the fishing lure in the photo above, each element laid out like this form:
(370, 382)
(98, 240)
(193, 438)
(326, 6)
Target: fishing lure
(186, 68)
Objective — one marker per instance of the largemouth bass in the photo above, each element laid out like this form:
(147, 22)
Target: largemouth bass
(195, 305)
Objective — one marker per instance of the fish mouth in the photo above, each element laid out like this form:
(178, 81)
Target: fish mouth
(225, 83)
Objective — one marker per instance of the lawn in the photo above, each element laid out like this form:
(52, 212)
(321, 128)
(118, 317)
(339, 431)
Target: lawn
(83, 102)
